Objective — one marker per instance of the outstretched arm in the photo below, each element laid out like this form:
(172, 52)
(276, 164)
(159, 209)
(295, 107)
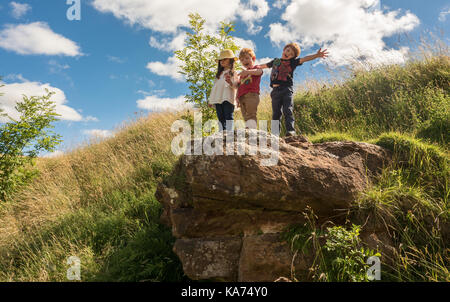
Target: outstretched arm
(254, 72)
(319, 54)
(262, 66)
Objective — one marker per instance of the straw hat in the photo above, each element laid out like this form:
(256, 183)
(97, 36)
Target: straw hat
(226, 54)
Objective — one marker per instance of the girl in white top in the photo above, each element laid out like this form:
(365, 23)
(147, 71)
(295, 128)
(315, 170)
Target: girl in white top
(223, 93)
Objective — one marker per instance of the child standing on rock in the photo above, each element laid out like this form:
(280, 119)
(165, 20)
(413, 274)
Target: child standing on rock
(248, 91)
(281, 80)
(223, 93)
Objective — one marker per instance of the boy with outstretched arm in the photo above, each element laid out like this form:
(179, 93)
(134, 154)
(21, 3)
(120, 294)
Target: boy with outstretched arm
(281, 81)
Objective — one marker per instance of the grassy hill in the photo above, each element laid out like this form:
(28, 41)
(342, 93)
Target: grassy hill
(97, 202)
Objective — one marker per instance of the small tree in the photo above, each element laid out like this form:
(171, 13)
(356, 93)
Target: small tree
(1, 110)
(199, 57)
(21, 141)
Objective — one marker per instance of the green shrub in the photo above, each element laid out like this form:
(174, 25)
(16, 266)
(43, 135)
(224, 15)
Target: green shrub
(339, 254)
(345, 255)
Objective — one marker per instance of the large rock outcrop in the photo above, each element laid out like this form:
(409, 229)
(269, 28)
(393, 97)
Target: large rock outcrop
(227, 211)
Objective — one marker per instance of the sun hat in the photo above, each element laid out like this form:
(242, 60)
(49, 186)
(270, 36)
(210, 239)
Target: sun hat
(226, 54)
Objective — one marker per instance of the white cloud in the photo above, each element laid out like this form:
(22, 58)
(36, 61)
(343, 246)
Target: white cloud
(443, 15)
(143, 92)
(168, 16)
(170, 68)
(158, 92)
(98, 133)
(90, 118)
(54, 154)
(279, 33)
(14, 92)
(251, 12)
(167, 44)
(15, 77)
(280, 3)
(19, 9)
(350, 29)
(245, 43)
(156, 104)
(36, 39)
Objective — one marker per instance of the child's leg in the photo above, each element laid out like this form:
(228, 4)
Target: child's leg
(220, 115)
(288, 109)
(228, 113)
(249, 106)
(276, 103)
(252, 109)
(243, 102)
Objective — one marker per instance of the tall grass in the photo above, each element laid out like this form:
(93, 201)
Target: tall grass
(97, 203)
(411, 99)
(410, 203)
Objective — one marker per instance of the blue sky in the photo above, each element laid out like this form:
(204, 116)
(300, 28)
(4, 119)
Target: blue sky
(118, 59)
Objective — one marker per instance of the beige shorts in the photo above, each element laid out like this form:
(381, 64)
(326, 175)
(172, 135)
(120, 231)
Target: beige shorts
(249, 106)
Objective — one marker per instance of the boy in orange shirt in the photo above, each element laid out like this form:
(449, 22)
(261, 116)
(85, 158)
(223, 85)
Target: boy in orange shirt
(248, 88)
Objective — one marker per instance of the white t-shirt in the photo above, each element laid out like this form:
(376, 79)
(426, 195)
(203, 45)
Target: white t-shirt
(222, 91)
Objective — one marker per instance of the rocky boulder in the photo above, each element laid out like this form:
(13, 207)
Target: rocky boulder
(227, 211)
